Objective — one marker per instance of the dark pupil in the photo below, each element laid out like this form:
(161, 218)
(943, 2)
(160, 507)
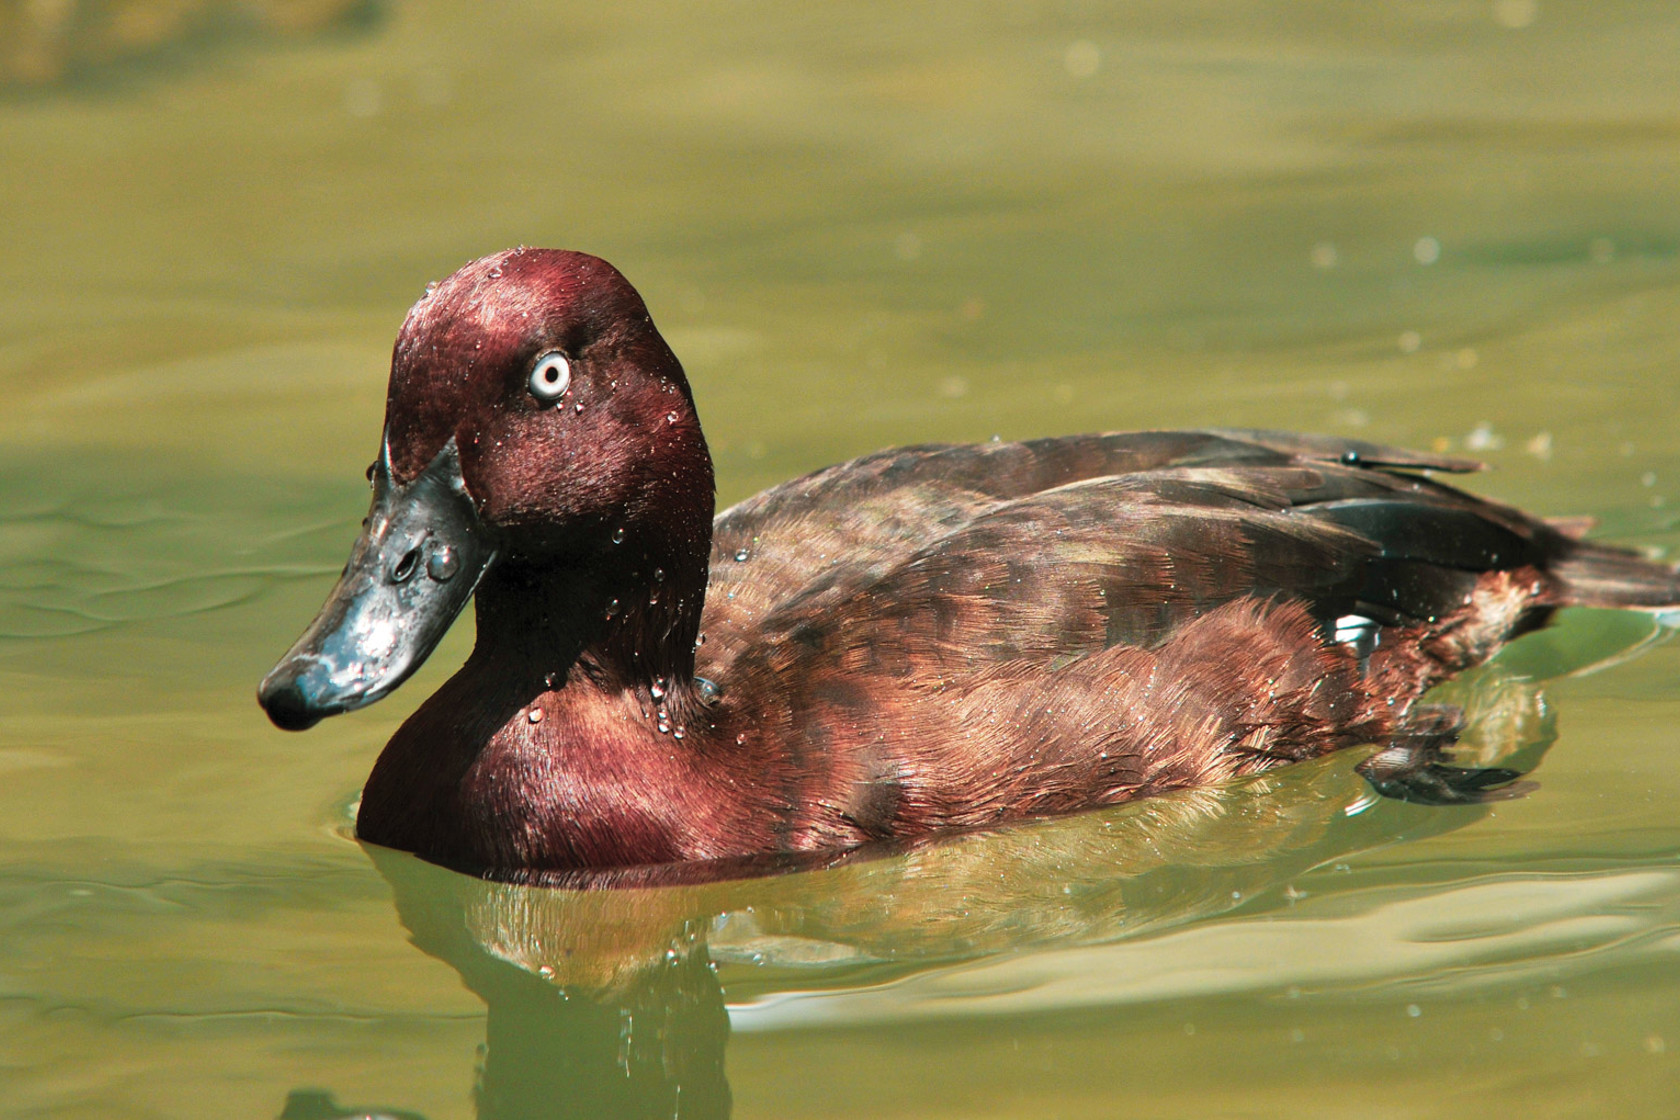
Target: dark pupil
(551, 375)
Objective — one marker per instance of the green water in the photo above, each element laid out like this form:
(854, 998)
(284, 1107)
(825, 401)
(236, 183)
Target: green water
(1435, 223)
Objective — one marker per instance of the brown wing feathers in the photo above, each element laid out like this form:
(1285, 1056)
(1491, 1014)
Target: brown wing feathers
(971, 630)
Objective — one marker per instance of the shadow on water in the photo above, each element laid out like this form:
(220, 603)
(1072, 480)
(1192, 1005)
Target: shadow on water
(94, 43)
(603, 993)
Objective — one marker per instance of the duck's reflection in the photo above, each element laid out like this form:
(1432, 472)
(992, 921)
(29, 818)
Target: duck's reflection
(603, 995)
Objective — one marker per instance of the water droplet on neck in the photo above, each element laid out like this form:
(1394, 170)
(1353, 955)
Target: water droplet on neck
(677, 733)
(658, 689)
(612, 609)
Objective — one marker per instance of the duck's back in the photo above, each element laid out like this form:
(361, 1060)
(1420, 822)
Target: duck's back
(1059, 547)
(1219, 593)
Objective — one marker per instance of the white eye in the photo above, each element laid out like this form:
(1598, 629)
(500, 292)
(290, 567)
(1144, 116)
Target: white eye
(550, 377)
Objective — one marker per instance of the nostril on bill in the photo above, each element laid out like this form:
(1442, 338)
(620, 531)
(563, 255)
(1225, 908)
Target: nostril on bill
(406, 566)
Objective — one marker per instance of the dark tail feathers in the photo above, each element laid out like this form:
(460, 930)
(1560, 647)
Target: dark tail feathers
(1596, 575)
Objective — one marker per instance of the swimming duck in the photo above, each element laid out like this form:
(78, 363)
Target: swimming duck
(925, 639)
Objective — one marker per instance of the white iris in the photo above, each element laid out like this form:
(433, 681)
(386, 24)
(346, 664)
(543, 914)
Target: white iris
(550, 376)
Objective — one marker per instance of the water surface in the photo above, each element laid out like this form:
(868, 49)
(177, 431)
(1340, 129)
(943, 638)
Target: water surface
(1441, 224)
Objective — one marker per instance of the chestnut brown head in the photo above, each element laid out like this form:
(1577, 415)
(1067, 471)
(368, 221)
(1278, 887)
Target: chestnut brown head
(568, 407)
(538, 431)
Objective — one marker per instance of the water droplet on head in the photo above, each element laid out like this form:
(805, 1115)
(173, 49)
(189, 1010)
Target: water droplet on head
(741, 555)
(443, 563)
(496, 273)
(677, 733)
(658, 689)
(577, 406)
(670, 418)
(535, 715)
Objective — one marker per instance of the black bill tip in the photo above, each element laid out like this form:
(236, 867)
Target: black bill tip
(282, 696)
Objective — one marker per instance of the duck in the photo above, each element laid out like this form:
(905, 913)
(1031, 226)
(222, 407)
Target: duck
(917, 642)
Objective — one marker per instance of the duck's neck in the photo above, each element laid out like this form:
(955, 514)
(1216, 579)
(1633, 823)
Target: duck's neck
(619, 609)
(583, 667)
(545, 628)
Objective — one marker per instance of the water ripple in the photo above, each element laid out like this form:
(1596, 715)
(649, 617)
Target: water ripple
(1494, 931)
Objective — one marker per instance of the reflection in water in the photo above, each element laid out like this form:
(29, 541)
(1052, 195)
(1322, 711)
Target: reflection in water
(603, 996)
(44, 43)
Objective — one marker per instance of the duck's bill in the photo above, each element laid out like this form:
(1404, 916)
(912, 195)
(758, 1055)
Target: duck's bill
(421, 554)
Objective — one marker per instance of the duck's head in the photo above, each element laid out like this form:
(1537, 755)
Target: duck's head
(541, 446)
